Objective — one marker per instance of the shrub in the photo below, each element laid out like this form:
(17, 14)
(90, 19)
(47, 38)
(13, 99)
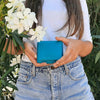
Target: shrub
(92, 61)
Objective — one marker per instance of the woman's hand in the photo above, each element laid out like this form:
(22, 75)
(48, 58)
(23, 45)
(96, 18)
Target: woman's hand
(30, 51)
(74, 49)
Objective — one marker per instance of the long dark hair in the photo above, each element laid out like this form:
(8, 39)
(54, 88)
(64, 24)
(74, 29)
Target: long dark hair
(75, 16)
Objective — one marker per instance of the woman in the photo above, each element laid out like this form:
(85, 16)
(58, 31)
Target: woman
(66, 21)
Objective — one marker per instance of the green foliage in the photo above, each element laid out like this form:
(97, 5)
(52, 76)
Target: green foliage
(92, 61)
(7, 78)
(92, 70)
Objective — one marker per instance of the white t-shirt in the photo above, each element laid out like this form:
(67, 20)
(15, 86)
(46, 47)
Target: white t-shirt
(54, 16)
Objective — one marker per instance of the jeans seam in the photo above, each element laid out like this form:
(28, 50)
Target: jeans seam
(27, 82)
(76, 79)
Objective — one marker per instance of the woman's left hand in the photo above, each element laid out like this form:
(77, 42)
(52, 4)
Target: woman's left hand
(73, 49)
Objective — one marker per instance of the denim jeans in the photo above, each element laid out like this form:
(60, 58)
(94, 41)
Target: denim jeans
(68, 82)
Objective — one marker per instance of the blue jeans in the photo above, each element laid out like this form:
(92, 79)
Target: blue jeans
(68, 82)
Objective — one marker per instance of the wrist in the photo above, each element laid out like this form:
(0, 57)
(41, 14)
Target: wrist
(85, 48)
(81, 48)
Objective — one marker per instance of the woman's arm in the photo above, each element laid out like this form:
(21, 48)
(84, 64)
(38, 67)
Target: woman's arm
(78, 47)
(74, 49)
(86, 48)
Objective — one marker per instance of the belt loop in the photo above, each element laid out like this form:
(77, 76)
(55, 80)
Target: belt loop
(66, 69)
(33, 71)
(49, 69)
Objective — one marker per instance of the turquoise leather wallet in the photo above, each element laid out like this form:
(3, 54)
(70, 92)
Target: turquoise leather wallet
(49, 51)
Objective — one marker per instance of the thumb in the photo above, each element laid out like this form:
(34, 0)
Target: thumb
(64, 40)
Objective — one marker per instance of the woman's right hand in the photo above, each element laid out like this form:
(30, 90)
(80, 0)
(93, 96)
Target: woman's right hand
(30, 51)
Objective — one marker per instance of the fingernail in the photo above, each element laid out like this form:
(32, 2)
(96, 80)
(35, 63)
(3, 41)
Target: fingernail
(57, 63)
(35, 56)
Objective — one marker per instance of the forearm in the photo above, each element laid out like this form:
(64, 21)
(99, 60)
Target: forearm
(86, 48)
(12, 49)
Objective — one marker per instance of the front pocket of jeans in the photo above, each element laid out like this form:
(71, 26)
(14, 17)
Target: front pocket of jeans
(25, 76)
(77, 72)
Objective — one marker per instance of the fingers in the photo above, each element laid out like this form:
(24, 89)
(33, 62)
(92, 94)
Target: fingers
(64, 40)
(68, 57)
(31, 52)
(62, 61)
(34, 61)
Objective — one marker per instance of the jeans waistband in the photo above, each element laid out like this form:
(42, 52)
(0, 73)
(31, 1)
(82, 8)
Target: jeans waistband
(46, 68)
(69, 65)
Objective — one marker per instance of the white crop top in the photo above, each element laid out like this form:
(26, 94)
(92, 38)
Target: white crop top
(54, 16)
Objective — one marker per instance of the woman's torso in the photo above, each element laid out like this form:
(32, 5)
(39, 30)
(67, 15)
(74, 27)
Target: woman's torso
(54, 17)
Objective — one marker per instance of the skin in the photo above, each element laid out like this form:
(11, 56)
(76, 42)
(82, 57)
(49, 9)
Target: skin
(74, 49)
(30, 51)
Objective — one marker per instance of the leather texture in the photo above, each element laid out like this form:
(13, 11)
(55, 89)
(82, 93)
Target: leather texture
(49, 51)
